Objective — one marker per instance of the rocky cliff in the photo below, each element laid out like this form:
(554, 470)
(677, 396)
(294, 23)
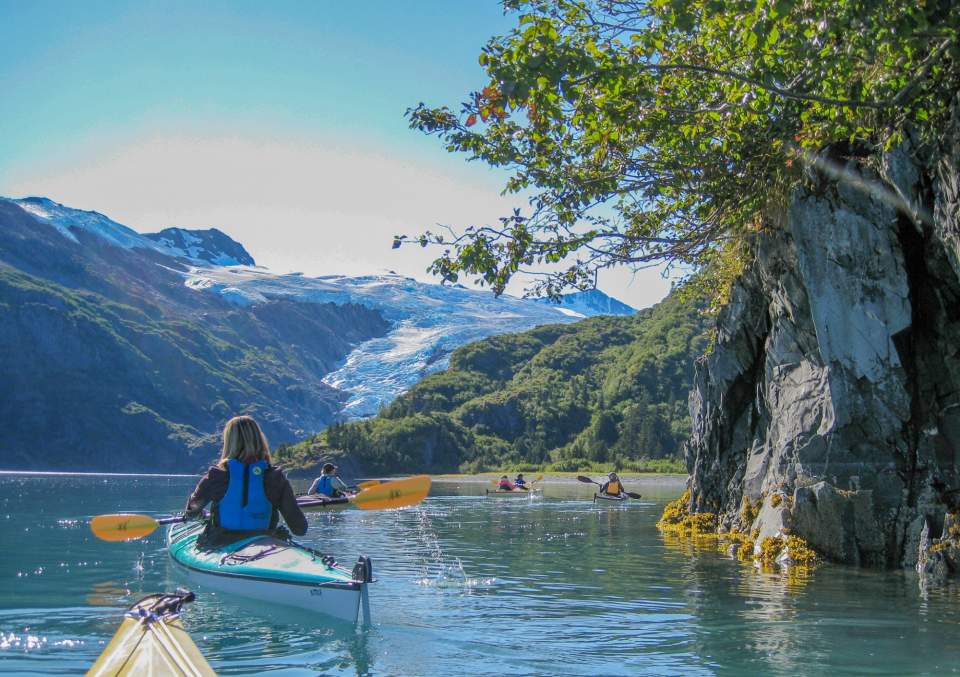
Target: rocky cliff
(831, 401)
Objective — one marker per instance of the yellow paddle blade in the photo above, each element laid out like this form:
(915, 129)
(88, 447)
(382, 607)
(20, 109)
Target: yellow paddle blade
(537, 478)
(398, 494)
(122, 527)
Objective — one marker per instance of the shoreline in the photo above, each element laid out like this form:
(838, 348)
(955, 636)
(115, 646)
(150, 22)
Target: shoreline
(561, 478)
(68, 473)
(548, 478)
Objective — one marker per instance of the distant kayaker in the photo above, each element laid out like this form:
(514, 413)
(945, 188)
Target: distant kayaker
(613, 486)
(520, 483)
(328, 484)
(505, 484)
(247, 493)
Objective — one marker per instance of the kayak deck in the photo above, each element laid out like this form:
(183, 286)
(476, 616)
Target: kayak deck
(152, 641)
(266, 568)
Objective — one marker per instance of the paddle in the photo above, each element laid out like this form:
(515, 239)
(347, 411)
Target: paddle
(581, 478)
(386, 496)
(369, 483)
(127, 527)
(395, 494)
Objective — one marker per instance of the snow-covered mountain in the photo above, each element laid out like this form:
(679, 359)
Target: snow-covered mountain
(211, 246)
(589, 303)
(197, 246)
(426, 321)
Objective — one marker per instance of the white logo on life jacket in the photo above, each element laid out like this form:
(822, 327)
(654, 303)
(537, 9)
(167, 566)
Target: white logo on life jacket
(257, 470)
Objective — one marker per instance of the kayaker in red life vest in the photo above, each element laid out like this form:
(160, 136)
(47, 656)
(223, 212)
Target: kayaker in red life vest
(613, 486)
(505, 484)
(247, 493)
(328, 484)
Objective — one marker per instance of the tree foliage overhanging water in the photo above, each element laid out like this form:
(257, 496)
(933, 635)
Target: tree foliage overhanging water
(655, 130)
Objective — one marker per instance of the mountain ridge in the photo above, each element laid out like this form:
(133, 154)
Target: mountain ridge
(115, 340)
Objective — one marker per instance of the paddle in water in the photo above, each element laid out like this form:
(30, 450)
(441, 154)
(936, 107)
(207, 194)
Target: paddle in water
(581, 478)
(386, 496)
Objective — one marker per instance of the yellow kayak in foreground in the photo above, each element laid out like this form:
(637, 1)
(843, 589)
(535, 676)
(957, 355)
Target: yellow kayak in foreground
(151, 641)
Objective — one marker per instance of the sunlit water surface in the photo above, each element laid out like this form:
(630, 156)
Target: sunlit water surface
(467, 586)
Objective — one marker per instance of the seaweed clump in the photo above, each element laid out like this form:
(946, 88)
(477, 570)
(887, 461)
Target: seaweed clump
(786, 550)
(678, 519)
(749, 511)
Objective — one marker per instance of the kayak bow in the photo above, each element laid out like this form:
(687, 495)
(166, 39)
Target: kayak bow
(151, 641)
(269, 569)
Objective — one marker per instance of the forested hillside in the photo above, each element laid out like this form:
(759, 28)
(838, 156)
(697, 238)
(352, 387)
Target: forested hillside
(603, 390)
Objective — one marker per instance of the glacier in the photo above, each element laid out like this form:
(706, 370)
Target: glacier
(428, 321)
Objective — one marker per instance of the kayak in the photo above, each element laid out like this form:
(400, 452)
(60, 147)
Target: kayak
(607, 497)
(266, 568)
(151, 641)
(316, 502)
(515, 493)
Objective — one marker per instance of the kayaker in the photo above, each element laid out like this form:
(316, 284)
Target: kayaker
(613, 486)
(328, 484)
(520, 483)
(505, 484)
(248, 494)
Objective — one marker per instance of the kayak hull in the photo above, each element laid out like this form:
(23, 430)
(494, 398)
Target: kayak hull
(266, 569)
(612, 499)
(516, 493)
(316, 503)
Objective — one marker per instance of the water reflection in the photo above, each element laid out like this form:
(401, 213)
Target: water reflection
(558, 585)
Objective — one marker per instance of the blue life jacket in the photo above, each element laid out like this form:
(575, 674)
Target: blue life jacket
(325, 485)
(520, 483)
(245, 506)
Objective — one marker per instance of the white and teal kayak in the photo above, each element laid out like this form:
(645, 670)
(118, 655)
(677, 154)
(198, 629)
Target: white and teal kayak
(265, 568)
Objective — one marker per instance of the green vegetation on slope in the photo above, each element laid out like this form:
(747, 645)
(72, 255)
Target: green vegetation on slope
(604, 392)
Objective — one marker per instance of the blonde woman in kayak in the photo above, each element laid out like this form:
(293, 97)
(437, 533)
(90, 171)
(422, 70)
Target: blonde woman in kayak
(613, 486)
(247, 493)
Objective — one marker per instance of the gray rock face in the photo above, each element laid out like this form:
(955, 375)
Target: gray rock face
(836, 372)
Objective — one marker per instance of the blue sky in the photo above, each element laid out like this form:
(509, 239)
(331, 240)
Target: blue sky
(280, 123)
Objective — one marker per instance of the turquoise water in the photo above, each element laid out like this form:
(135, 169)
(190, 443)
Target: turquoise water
(467, 586)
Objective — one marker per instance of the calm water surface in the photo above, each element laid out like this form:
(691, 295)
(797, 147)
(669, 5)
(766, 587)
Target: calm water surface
(466, 586)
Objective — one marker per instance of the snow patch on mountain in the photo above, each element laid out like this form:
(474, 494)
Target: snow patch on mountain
(430, 321)
(64, 219)
(589, 303)
(211, 245)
